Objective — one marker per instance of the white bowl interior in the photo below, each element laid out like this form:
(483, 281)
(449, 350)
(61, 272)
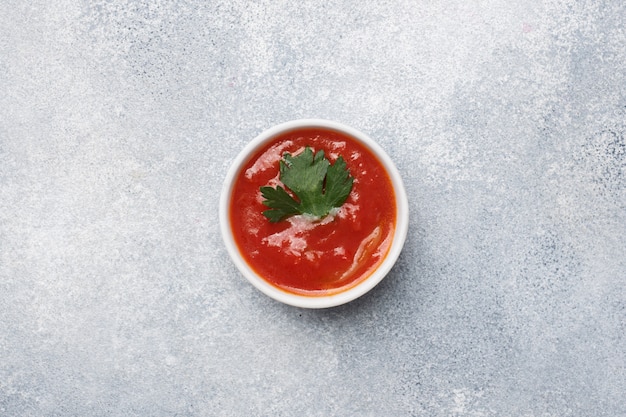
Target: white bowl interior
(402, 217)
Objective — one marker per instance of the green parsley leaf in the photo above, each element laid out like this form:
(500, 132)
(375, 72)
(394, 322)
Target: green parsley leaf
(318, 186)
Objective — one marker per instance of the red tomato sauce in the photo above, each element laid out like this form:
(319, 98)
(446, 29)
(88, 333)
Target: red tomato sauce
(320, 257)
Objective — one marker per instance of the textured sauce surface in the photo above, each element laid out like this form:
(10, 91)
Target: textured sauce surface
(304, 256)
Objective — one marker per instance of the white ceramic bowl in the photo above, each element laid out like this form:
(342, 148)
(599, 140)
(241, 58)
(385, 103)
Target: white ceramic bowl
(399, 236)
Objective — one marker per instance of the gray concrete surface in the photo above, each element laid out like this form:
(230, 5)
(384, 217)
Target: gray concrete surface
(507, 120)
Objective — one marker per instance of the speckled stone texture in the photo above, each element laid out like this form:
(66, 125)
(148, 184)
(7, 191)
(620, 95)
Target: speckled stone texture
(507, 120)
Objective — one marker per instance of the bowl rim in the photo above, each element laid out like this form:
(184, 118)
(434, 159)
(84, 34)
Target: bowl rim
(323, 301)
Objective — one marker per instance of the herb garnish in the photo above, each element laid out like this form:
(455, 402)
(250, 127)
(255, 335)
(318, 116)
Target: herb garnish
(318, 185)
